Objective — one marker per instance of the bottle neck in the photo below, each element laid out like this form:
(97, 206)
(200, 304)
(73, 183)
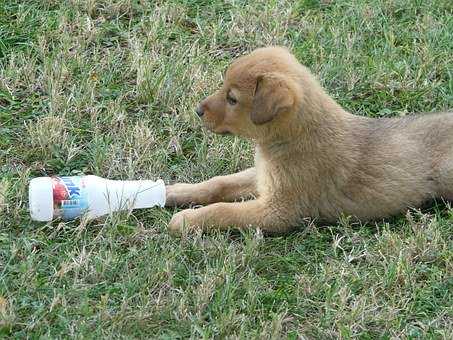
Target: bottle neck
(135, 194)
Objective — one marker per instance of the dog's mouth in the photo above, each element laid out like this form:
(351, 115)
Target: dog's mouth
(216, 130)
(221, 132)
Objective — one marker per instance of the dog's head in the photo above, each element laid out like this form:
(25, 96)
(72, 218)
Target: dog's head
(260, 93)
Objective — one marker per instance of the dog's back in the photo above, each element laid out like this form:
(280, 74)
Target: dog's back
(403, 163)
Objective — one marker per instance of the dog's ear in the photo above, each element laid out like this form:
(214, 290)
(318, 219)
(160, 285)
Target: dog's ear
(273, 95)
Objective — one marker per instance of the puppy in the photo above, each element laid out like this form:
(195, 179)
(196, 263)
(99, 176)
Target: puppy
(313, 158)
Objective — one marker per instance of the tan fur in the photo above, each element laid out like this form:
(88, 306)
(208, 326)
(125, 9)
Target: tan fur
(313, 159)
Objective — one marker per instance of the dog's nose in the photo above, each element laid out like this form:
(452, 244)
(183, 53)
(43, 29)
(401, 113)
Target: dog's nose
(199, 111)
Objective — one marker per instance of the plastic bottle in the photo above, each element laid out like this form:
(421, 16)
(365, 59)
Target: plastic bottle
(71, 197)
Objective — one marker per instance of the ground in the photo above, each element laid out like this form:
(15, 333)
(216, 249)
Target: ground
(110, 88)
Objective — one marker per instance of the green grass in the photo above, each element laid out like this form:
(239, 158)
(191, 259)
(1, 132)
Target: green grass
(109, 88)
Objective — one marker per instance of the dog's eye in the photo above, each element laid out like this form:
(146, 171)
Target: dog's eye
(231, 100)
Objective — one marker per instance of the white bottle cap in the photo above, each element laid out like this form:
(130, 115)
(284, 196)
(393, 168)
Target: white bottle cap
(40, 199)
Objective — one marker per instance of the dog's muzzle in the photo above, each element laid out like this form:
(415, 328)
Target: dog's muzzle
(199, 111)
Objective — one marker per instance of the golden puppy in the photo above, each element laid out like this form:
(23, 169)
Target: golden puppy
(313, 159)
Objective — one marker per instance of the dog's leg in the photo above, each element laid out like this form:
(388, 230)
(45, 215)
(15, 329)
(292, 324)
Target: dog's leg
(221, 216)
(217, 189)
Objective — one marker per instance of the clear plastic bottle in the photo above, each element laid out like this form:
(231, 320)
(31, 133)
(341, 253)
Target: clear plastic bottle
(74, 196)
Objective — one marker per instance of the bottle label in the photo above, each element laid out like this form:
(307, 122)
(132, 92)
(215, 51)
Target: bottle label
(69, 197)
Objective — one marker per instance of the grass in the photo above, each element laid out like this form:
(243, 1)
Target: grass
(110, 87)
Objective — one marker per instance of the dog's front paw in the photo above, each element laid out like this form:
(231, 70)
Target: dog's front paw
(182, 221)
(178, 194)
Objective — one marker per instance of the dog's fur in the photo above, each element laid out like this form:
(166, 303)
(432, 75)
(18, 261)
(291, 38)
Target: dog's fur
(313, 159)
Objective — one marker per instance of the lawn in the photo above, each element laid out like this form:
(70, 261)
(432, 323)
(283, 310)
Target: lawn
(110, 87)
